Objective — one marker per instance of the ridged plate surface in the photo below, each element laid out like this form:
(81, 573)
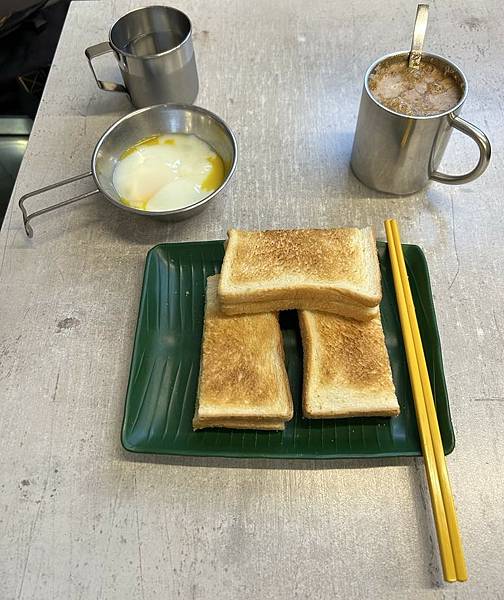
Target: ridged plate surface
(165, 364)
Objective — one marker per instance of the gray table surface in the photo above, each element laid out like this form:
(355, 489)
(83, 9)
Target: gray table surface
(81, 518)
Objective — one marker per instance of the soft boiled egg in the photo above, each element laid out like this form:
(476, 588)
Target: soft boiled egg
(166, 172)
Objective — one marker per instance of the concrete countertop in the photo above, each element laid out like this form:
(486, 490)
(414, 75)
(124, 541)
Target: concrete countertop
(80, 517)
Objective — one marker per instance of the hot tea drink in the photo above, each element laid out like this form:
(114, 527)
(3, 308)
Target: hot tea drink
(431, 89)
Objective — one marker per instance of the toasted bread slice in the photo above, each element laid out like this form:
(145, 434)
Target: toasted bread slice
(267, 424)
(301, 268)
(346, 367)
(361, 313)
(242, 371)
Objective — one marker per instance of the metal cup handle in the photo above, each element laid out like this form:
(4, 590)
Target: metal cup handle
(28, 217)
(485, 150)
(98, 50)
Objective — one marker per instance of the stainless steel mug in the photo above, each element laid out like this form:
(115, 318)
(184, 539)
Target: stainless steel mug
(399, 154)
(154, 51)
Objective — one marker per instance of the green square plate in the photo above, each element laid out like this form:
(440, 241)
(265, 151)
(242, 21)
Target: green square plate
(164, 370)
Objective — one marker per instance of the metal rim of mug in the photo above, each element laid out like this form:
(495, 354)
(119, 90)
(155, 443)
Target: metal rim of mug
(184, 209)
(428, 55)
(148, 56)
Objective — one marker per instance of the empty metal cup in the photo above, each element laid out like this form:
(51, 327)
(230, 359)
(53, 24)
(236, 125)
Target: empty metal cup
(399, 154)
(154, 51)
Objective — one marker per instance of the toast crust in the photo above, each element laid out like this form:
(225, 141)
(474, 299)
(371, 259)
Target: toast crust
(270, 425)
(341, 414)
(353, 311)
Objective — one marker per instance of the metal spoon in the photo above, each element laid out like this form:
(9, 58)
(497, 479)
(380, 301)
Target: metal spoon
(417, 41)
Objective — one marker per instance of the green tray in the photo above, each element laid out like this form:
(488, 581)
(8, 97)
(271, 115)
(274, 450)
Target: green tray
(165, 364)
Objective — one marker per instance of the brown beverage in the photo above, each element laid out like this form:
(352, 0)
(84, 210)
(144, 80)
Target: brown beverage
(431, 89)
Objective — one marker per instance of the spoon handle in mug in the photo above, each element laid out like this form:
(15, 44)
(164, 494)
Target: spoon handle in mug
(417, 41)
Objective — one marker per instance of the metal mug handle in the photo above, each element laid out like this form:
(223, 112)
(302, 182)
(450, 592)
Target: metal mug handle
(98, 50)
(485, 150)
(28, 217)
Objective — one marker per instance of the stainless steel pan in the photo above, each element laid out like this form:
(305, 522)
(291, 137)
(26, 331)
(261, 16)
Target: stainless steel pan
(142, 123)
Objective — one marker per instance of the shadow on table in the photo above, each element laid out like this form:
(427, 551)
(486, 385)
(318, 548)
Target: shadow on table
(432, 197)
(216, 462)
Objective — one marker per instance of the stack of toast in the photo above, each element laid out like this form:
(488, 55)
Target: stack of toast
(332, 278)
(243, 383)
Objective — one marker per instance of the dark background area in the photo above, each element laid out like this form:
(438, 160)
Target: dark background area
(29, 34)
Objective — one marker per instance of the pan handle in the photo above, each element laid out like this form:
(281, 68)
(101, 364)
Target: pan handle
(28, 217)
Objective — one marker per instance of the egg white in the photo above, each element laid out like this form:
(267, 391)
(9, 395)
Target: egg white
(165, 173)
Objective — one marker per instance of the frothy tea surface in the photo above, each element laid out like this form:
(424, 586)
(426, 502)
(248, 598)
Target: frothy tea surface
(431, 89)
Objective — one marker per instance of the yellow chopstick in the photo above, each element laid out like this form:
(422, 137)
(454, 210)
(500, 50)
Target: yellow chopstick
(438, 509)
(449, 505)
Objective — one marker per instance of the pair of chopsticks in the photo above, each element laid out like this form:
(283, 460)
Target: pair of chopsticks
(443, 506)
